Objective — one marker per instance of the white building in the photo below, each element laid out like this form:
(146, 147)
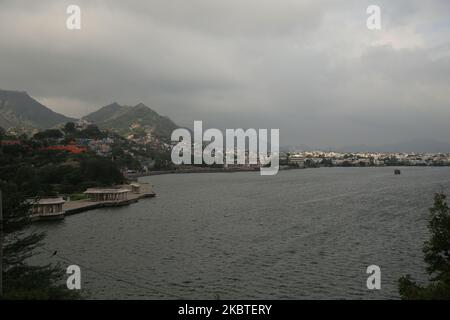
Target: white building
(47, 208)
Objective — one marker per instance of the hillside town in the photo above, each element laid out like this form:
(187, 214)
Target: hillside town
(136, 140)
(141, 152)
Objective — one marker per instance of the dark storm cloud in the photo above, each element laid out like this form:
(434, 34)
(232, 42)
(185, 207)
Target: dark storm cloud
(310, 68)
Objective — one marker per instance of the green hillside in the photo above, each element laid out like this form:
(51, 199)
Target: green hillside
(126, 119)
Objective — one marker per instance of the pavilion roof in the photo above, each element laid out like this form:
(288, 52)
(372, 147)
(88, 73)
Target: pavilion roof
(47, 201)
(105, 190)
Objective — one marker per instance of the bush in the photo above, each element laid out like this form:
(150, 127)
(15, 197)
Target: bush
(437, 257)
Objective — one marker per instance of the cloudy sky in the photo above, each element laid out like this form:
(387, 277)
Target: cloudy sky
(310, 68)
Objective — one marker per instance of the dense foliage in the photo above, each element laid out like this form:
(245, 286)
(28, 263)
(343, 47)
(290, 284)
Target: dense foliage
(37, 171)
(28, 168)
(437, 257)
(21, 280)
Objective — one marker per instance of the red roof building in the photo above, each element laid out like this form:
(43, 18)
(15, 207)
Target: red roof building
(70, 148)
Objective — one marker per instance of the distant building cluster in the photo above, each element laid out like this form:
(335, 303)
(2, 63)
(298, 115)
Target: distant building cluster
(82, 124)
(321, 158)
(147, 139)
(102, 147)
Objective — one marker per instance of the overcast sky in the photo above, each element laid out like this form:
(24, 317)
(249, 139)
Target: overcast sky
(310, 68)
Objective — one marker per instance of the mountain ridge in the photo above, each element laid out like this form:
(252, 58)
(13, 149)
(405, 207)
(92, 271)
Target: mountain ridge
(19, 109)
(123, 118)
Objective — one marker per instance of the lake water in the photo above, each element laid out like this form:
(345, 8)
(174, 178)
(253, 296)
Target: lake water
(302, 234)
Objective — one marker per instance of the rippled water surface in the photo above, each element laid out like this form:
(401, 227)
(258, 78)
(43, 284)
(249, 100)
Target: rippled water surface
(302, 234)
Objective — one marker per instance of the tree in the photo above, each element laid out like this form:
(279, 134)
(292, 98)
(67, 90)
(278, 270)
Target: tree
(69, 127)
(21, 280)
(2, 134)
(309, 163)
(49, 134)
(327, 162)
(92, 132)
(437, 257)
(101, 170)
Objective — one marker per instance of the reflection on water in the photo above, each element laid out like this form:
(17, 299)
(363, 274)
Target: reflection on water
(302, 234)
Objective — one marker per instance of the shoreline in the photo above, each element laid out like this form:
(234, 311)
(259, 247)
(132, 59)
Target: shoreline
(186, 171)
(79, 206)
(135, 176)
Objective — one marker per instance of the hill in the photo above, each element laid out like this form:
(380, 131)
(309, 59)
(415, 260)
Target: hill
(19, 110)
(126, 119)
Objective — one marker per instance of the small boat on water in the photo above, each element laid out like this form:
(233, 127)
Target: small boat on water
(397, 171)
